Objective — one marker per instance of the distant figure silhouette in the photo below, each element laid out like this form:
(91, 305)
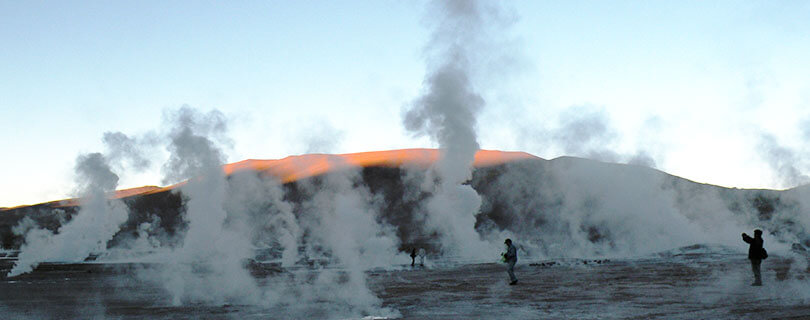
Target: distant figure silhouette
(510, 257)
(413, 256)
(422, 255)
(756, 253)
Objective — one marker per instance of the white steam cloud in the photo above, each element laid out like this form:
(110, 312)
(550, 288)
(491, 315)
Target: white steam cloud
(342, 228)
(230, 219)
(784, 161)
(587, 131)
(98, 220)
(447, 112)
(121, 147)
(209, 264)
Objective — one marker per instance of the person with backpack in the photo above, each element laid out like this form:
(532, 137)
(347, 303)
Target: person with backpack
(756, 253)
(510, 258)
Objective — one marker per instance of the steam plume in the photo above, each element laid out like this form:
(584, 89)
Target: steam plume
(88, 232)
(447, 112)
(587, 131)
(783, 161)
(210, 243)
(121, 147)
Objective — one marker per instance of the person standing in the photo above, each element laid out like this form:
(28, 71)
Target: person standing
(756, 253)
(510, 258)
(413, 256)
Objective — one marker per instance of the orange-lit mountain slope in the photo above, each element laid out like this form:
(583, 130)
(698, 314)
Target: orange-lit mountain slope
(293, 168)
(298, 167)
(123, 193)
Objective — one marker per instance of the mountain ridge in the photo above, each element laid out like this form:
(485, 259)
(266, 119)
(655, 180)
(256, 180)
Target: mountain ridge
(295, 167)
(584, 207)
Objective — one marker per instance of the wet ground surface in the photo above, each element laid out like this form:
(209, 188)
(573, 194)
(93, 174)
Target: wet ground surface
(676, 285)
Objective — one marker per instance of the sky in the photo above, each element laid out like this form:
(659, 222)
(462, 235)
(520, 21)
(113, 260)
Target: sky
(713, 91)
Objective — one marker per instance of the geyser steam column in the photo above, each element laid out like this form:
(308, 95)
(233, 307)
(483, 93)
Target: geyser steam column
(447, 112)
(208, 266)
(97, 221)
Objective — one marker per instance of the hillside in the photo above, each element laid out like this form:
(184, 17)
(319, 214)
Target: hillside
(561, 207)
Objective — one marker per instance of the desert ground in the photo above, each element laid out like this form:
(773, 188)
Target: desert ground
(698, 282)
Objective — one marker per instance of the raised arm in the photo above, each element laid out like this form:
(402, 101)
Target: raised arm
(746, 238)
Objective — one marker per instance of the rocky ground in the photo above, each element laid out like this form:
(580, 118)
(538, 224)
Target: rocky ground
(687, 283)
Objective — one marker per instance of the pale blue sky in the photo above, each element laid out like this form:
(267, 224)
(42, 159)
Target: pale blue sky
(692, 83)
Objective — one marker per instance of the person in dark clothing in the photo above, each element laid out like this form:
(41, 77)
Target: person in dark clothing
(510, 257)
(755, 253)
(413, 257)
